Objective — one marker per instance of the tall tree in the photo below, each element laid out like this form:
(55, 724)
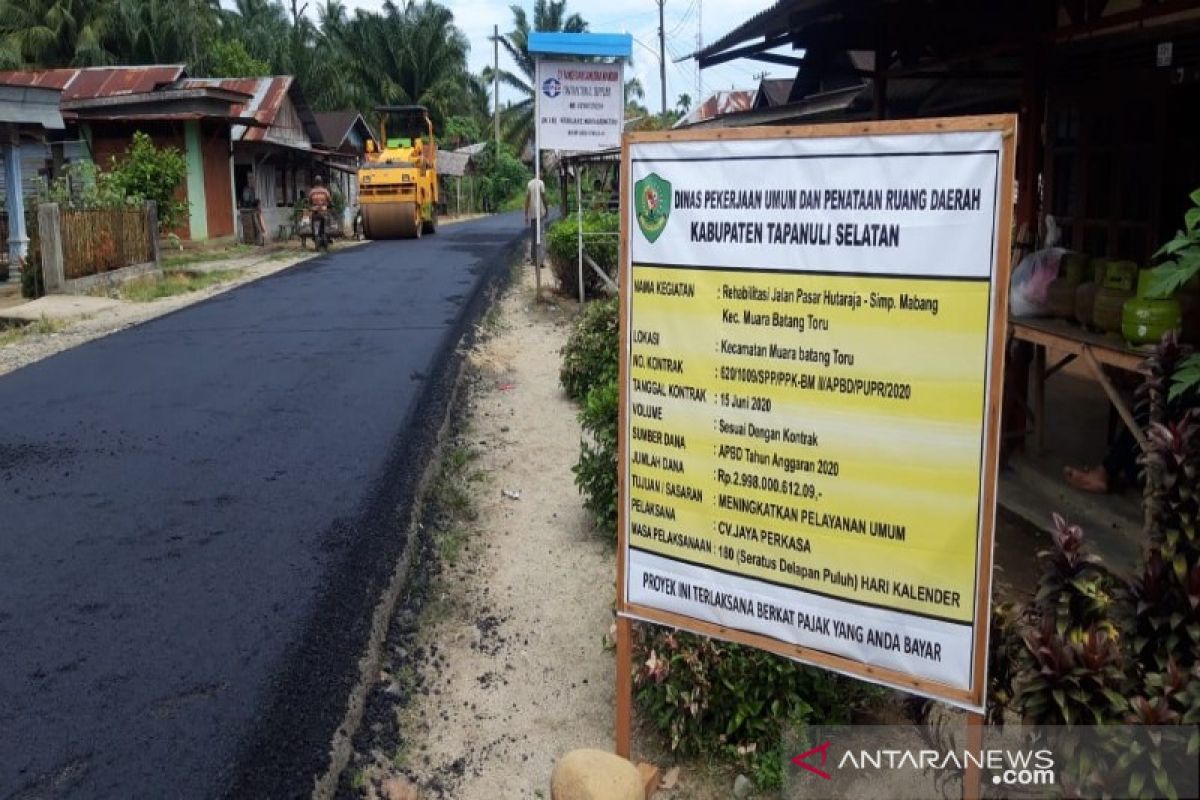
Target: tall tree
(409, 54)
(263, 28)
(550, 16)
(54, 33)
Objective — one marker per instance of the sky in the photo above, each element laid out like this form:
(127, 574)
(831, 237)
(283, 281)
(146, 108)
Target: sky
(640, 18)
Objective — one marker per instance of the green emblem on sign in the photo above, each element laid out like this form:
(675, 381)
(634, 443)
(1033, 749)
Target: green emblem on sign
(652, 204)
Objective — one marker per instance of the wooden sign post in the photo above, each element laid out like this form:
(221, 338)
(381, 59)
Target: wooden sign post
(812, 343)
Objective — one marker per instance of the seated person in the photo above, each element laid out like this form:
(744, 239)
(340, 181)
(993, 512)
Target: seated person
(1118, 469)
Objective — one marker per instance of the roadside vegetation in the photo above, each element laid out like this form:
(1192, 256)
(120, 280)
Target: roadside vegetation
(15, 333)
(173, 282)
(185, 258)
(704, 698)
(600, 243)
(1089, 647)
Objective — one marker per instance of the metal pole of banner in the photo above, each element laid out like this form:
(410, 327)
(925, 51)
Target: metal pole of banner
(579, 224)
(972, 776)
(496, 85)
(623, 734)
(537, 176)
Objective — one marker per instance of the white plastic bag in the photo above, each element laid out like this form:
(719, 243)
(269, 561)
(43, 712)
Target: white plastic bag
(1031, 278)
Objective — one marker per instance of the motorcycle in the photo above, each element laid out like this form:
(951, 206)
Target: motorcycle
(317, 223)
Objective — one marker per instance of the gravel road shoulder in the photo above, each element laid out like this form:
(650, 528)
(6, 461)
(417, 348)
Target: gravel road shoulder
(506, 668)
(74, 332)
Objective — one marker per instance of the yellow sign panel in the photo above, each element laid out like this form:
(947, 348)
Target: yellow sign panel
(808, 411)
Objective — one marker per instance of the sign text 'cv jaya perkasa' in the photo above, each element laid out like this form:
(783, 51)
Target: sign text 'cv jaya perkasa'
(812, 354)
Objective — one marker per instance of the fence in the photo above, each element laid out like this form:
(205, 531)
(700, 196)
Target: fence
(79, 246)
(103, 240)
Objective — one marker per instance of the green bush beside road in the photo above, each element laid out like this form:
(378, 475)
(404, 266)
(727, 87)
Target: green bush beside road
(706, 697)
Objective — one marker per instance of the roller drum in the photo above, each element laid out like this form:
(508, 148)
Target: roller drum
(391, 221)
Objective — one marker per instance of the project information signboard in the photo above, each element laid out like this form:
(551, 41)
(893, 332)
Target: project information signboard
(581, 105)
(813, 325)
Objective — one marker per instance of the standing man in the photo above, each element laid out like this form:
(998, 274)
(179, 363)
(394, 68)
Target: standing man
(535, 208)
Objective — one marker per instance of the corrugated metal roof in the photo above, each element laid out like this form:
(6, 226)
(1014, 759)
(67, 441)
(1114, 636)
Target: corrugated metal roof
(718, 104)
(773, 21)
(30, 105)
(91, 82)
(335, 126)
(773, 91)
(266, 100)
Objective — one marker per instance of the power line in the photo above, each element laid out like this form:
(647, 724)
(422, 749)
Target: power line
(683, 20)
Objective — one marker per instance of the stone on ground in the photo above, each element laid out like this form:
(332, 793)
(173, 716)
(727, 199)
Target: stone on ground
(595, 775)
(400, 788)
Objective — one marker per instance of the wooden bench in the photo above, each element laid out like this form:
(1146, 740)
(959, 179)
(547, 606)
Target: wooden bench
(1096, 350)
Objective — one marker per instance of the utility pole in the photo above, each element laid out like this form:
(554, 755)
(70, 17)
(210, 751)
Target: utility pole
(662, 60)
(699, 47)
(496, 83)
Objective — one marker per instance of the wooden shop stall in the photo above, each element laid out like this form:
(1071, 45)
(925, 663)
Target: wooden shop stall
(1108, 98)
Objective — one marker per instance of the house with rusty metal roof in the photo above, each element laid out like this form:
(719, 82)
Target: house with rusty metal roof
(102, 107)
(718, 104)
(276, 144)
(344, 135)
(26, 114)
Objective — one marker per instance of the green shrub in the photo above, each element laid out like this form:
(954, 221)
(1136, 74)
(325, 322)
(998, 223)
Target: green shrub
(33, 285)
(600, 243)
(590, 354)
(153, 173)
(1092, 648)
(502, 178)
(711, 697)
(596, 471)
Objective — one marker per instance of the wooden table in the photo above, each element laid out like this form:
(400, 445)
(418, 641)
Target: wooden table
(1097, 351)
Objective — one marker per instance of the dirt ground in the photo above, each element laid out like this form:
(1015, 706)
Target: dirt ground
(506, 664)
(515, 671)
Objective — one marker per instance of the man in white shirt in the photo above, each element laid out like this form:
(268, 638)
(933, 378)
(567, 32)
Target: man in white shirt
(535, 208)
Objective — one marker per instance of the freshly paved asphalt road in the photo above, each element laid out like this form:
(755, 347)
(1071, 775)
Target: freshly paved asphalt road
(198, 515)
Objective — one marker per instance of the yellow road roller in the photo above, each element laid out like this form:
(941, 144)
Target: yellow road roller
(398, 185)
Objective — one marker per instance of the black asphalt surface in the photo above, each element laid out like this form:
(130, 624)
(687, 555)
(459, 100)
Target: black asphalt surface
(197, 516)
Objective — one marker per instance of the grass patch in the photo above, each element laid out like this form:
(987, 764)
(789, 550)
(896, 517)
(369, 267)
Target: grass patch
(173, 282)
(41, 327)
(517, 201)
(452, 496)
(493, 322)
(187, 257)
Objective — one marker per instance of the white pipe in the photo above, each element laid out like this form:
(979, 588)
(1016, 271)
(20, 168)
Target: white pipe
(537, 174)
(579, 228)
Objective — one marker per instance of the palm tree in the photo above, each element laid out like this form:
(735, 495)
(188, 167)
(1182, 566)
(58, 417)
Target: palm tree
(634, 90)
(54, 33)
(683, 104)
(164, 31)
(262, 26)
(548, 15)
(409, 54)
(331, 60)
